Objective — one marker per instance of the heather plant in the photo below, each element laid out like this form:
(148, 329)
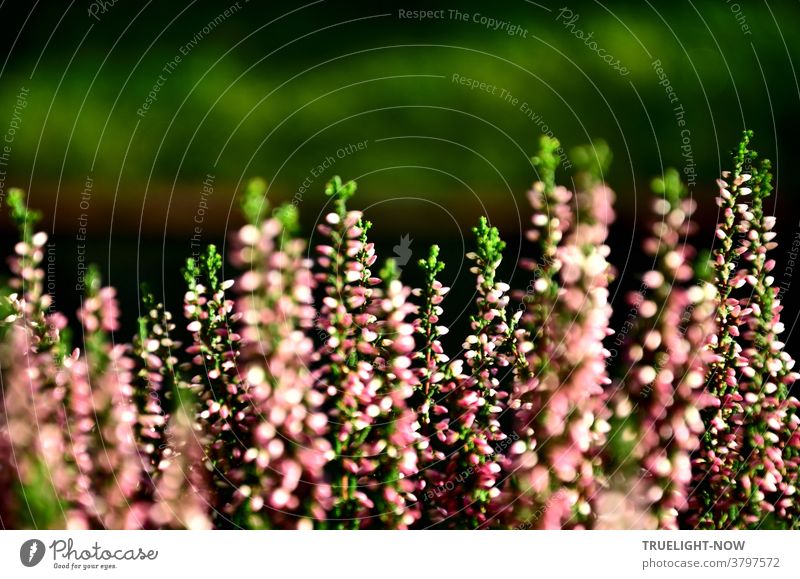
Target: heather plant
(563, 412)
(746, 470)
(430, 357)
(364, 371)
(289, 448)
(103, 416)
(434, 370)
(315, 389)
(772, 442)
(224, 413)
(155, 381)
(659, 389)
(174, 486)
(69, 418)
(34, 417)
(462, 483)
(181, 495)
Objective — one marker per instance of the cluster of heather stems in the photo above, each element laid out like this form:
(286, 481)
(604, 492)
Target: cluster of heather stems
(745, 472)
(313, 388)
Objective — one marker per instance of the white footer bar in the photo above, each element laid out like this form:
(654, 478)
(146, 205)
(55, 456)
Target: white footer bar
(440, 554)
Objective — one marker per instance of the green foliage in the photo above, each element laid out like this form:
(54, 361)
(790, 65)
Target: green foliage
(340, 193)
(547, 161)
(704, 266)
(762, 182)
(23, 217)
(364, 226)
(191, 273)
(389, 272)
(213, 266)
(93, 281)
(432, 266)
(289, 218)
(205, 268)
(669, 186)
(42, 507)
(743, 157)
(594, 159)
(490, 250)
(254, 201)
(143, 321)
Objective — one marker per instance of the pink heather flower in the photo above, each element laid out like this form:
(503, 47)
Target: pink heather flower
(434, 371)
(365, 375)
(182, 495)
(174, 493)
(657, 406)
(100, 311)
(70, 418)
(225, 414)
(715, 467)
(746, 469)
(772, 445)
(563, 403)
(156, 381)
(465, 444)
(289, 450)
(430, 358)
(34, 421)
(29, 303)
(103, 421)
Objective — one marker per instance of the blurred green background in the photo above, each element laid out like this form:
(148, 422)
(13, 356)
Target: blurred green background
(128, 108)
